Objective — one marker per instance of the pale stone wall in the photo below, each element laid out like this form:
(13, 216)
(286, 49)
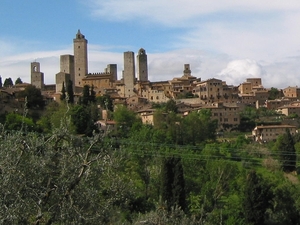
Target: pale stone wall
(254, 81)
(67, 66)
(211, 90)
(60, 79)
(245, 88)
(229, 115)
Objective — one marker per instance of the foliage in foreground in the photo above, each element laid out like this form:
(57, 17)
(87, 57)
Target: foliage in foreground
(142, 177)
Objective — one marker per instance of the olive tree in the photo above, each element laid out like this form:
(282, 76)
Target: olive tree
(59, 179)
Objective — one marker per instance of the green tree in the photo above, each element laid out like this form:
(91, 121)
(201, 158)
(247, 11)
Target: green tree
(274, 93)
(8, 82)
(18, 81)
(63, 92)
(34, 96)
(1, 82)
(285, 147)
(105, 102)
(70, 92)
(125, 119)
(51, 117)
(171, 106)
(256, 200)
(18, 122)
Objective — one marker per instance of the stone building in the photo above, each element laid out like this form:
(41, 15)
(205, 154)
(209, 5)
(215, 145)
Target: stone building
(216, 90)
(290, 109)
(228, 116)
(270, 133)
(292, 93)
(276, 103)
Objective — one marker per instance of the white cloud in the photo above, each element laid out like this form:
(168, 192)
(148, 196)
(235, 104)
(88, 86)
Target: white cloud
(237, 71)
(179, 11)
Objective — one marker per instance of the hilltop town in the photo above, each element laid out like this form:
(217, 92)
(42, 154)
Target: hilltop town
(130, 151)
(137, 92)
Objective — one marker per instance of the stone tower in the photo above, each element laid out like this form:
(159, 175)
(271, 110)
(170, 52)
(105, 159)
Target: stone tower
(187, 71)
(67, 64)
(142, 65)
(80, 58)
(112, 68)
(129, 73)
(37, 77)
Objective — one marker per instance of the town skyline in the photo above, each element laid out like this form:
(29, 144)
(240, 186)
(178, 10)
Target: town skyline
(230, 42)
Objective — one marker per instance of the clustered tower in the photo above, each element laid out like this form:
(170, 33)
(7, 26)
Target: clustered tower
(129, 71)
(75, 68)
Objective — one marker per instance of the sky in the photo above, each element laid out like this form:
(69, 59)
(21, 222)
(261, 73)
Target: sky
(230, 40)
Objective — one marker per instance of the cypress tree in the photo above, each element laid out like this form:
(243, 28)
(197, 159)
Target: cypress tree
(86, 95)
(70, 91)
(167, 182)
(178, 185)
(172, 183)
(63, 92)
(8, 82)
(256, 199)
(92, 95)
(287, 152)
(18, 81)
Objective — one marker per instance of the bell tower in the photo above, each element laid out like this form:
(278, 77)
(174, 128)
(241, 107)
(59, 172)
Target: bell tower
(37, 77)
(80, 58)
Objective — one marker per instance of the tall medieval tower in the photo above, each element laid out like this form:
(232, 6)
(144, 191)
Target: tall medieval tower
(142, 65)
(129, 73)
(37, 77)
(80, 58)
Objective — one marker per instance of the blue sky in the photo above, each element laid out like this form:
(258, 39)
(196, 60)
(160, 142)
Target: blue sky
(230, 40)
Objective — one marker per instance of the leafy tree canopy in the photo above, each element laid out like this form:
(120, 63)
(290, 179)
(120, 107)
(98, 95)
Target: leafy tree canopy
(105, 102)
(34, 96)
